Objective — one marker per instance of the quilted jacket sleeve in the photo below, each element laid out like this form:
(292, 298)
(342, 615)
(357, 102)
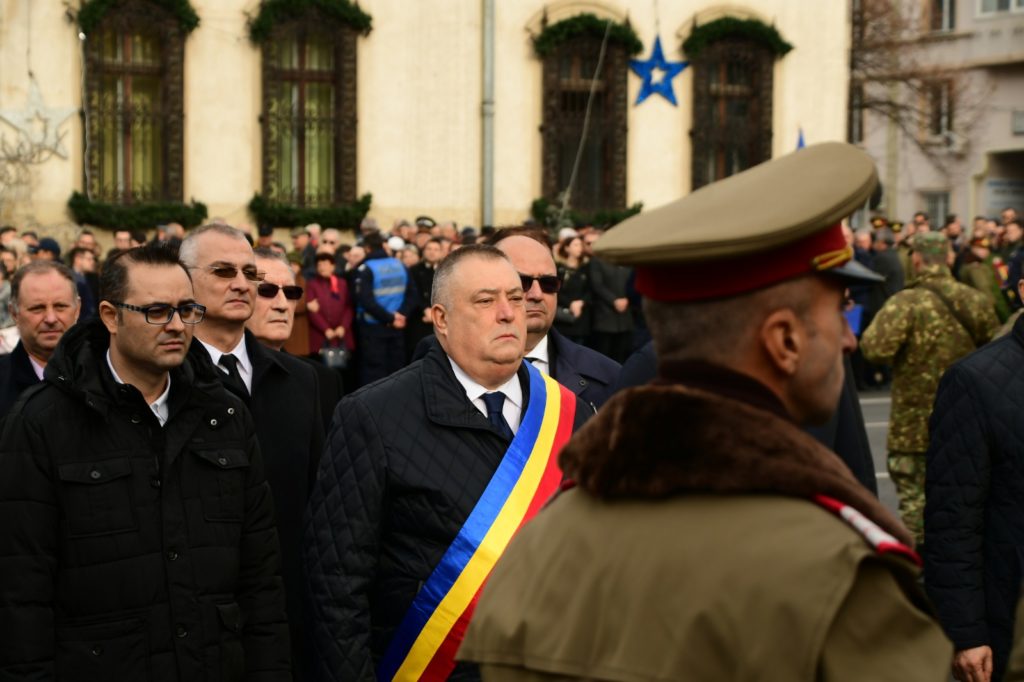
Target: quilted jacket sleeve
(342, 539)
(958, 469)
(28, 555)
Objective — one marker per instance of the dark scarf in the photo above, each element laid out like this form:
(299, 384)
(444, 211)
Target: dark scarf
(718, 432)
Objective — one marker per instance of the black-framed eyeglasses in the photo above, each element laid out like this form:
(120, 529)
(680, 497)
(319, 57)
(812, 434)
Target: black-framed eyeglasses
(549, 284)
(292, 292)
(161, 313)
(250, 272)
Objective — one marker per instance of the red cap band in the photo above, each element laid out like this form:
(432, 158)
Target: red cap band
(725, 277)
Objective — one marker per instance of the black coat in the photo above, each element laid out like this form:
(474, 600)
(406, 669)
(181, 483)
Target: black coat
(844, 433)
(16, 375)
(608, 282)
(130, 551)
(585, 372)
(285, 405)
(575, 287)
(406, 461)
(974, 496)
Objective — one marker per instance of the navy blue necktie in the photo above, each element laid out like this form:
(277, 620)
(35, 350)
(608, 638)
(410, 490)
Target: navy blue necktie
(495, 401)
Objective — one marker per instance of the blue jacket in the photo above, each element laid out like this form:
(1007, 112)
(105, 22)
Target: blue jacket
(383, 287)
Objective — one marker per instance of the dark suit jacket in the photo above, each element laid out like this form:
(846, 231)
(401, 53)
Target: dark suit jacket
(585, 372)
(844, 433)
(16, 374)
(285, 405)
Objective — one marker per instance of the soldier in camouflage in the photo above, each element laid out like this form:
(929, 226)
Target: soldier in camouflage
(921, 331)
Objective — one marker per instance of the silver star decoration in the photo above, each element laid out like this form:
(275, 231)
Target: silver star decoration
(39, 124)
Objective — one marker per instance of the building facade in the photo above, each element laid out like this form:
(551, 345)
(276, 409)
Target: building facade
(952, 140)
(283, 110)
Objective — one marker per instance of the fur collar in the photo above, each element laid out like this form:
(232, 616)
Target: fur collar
(663, 440)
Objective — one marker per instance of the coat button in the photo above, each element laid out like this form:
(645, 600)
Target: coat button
(135, 419)
(231, 410)
(94, 475)
(96, 650)
(172, 555)
(213, 422)
(223, 461)
(180, 632)
(583, 382)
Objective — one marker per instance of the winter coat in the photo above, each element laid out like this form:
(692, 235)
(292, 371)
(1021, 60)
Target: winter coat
(335, 309)
(406, 461)
(974, 496)
(607, 283)
(130, 551)
(16, 375)
(692, 550)
(582, 370)
(575, 287)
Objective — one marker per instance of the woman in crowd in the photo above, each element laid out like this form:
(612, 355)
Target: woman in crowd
(573, 316)
(330, 308)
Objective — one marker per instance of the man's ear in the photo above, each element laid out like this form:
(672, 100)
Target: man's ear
(781, 336)
(439, 316)
(108, 315)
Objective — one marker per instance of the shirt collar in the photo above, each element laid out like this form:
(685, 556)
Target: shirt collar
(159, 406)
(239, 351)
(511, 388)
(540, 351)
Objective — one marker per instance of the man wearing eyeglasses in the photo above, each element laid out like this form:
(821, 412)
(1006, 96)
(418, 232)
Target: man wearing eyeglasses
(585, 372)
(281, 391)
(138, 532)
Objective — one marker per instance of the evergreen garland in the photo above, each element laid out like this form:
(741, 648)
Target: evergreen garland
(731, 27)
(91, 13)
(276, 214)
(585, 25)
(274, 12)
(134, 216)
(546, 213)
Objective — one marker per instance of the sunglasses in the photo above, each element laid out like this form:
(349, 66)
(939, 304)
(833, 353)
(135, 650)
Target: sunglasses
(250, 272)
(292, 292)
(549, 284)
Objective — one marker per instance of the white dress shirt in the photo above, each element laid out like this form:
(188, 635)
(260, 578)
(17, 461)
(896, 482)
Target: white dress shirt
(539, 356)
(513, 407)
(159, 406)
(242, 355)
(36, 367)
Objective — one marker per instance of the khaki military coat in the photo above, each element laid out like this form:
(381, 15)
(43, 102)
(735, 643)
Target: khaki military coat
(692, 550)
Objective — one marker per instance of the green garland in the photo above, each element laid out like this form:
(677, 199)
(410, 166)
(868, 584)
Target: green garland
(91, 13)
(731, 27)
(274, 12)
(546, 213)
(585, 25)
(275, 214)
(134, 216)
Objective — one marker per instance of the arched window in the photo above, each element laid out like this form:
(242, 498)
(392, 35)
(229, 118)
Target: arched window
(134, 105)
(569, 68)
(309, 113)
(732, 102)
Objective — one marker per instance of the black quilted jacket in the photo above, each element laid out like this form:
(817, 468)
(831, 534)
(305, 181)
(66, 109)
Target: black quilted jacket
(406, 461)
(974, 516)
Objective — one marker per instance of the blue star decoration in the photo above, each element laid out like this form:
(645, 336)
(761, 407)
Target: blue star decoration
(654, 84)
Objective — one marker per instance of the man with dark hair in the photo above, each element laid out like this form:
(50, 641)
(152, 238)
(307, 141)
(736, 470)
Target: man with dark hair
(416, 467)
(138, 539)
(385, 296)
(707, 537)
(44, 305)
(83, 264)
(585, 372)
(281, 391)
(418, 325)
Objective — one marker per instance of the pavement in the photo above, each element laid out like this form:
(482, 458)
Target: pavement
(875, 406)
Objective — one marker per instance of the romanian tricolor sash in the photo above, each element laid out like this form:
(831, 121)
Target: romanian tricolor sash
(425, 642)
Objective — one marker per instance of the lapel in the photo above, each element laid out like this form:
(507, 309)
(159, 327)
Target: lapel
(562, 370)
(21, 368)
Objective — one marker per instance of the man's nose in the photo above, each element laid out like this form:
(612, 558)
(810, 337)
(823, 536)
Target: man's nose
(506, 311)
(175, 324)
(534, 293)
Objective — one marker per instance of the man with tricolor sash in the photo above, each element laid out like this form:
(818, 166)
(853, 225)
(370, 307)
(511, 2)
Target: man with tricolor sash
(427, 476)
(708, 536)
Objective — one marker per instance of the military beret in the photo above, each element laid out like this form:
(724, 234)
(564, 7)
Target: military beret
(710, 244)
(932, 243)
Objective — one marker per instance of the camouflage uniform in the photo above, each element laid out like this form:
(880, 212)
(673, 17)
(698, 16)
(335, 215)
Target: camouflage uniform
(982, 276)
(920, 337)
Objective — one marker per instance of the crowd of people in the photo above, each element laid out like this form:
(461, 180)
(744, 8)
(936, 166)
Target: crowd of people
(229, 459)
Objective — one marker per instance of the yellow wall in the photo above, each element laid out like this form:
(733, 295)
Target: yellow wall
(420, 84)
